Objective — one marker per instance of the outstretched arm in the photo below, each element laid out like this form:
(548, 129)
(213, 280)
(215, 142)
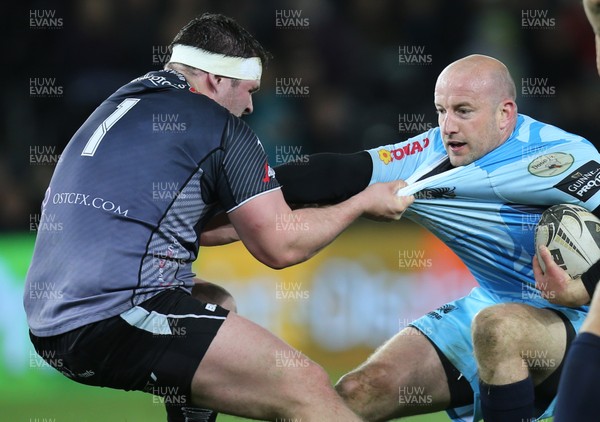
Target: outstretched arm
(279, 237)
(244, 184)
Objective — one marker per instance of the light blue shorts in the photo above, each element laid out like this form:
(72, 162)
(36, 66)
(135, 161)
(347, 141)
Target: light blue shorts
(449, 327)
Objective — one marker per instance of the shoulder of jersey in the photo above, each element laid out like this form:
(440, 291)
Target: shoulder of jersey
(173, 82)
(532, 131)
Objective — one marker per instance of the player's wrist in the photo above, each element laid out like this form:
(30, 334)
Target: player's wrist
(578, 294)
(362, 203)
(573, 295)
(591, 278)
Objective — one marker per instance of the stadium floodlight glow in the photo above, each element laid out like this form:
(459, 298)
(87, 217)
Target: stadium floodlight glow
(218, 64)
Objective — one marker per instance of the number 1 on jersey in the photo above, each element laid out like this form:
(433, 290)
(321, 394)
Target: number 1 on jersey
(92, 144)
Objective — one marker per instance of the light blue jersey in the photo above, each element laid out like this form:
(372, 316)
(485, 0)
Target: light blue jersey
(486, 212)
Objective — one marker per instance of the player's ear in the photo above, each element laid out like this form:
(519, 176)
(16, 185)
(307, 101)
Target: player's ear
(507, 111)
(214, 82)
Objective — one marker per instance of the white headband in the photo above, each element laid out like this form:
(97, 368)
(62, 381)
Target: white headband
(217, 64)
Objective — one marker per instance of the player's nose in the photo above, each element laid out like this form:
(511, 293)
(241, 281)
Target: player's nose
(448, 125)
(249, 108)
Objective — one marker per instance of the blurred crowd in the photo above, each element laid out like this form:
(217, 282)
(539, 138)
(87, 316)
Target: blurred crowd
(357, 69)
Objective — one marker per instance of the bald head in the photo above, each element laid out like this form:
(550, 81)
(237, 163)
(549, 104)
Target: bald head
(475, 101)
(480, 74)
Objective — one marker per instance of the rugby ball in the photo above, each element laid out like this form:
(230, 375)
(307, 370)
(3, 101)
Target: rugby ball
(572, 234)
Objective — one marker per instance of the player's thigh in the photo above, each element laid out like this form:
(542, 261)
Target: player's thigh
(413, 361)
(249, 370)
(546, 344)
(538, 335)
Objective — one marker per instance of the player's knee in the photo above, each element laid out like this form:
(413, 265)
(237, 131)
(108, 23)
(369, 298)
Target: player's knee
(348, 386)
(494, 329)
(365, 383)
(302, 389)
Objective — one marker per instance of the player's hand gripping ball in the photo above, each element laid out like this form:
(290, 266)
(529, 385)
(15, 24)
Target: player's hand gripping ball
(572, 234)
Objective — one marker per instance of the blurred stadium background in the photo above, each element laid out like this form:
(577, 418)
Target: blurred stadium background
(346, 75)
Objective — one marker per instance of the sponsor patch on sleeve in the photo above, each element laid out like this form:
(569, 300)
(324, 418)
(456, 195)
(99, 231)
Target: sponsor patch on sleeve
(410, 148)
(583, 183)
(550, 165)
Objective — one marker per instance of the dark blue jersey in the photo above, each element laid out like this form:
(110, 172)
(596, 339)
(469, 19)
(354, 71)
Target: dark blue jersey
(129, 198)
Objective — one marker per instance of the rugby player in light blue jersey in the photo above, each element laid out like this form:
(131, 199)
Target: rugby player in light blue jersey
(481, 180)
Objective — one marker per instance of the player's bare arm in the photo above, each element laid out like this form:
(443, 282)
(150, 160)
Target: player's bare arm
(556, 285)
(259, 222)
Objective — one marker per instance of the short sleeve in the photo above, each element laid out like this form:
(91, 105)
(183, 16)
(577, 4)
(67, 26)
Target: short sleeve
(406, 159)
(245, 170)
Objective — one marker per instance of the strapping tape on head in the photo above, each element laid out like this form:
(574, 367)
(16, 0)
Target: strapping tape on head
(218, 64)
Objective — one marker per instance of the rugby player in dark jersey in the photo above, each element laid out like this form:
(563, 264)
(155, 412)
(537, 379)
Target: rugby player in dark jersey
(108, 298)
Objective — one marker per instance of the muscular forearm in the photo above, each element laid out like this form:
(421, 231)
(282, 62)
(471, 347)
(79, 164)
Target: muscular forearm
(315, 228)
(280, 237)
(312, 229)
(323, 225)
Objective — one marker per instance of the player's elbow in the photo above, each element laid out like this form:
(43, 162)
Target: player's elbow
(280, 258)
(279, 262)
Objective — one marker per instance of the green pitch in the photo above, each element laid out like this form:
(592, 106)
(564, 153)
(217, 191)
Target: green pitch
(66, 401)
